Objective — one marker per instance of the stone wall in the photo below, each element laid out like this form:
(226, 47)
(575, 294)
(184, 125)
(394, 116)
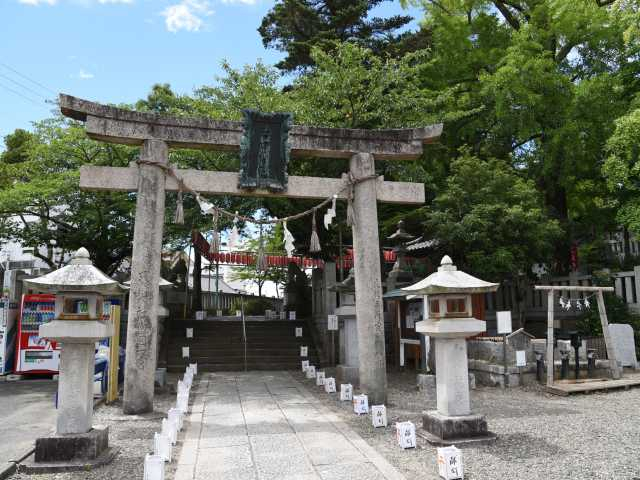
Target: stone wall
(486, 362)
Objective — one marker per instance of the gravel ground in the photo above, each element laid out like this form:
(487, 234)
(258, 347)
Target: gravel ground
(133, 434)
(540, 436)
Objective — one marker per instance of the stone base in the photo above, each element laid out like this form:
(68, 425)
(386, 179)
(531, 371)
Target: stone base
(30, 466)
(443, 430)
(345, 374)
(439, 442)
(79, 447)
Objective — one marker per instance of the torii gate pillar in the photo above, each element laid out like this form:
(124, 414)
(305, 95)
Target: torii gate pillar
(142, 327)
(368, 282)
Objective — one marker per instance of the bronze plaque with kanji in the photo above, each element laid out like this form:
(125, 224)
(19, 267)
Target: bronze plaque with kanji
(264, 150)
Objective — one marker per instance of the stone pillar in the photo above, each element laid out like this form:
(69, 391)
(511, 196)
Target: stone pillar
(142, 329)
(368, 283)
(75, 399)
(452, 380)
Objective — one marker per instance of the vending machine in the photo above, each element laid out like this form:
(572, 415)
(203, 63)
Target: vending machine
(35, 354)
(8, 317)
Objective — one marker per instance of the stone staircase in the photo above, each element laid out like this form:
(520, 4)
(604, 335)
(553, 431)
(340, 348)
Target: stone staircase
(217, 345)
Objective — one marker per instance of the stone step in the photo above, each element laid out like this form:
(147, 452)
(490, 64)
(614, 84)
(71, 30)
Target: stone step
(219, 345)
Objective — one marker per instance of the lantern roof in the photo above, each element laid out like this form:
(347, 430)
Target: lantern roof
(448, 279)
(348, 285)
(78, 276)
(162, 283)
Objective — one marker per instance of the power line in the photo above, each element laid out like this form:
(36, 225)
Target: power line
(27, 78)
(23, 96)
(29, 89)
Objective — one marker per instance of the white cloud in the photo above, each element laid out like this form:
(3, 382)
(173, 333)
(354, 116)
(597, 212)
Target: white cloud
(244, 2)
(38, 2)
(186, 15)
(114, 1)
(84, 75)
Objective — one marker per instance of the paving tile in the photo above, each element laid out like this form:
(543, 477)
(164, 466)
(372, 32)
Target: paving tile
(266, 426)
(187, 454)
(211, 409)
(283, 444)
(275, 467)
(235, 474)
(224, 459)
(350, 471)
(257, 405)
(215, 390)
(334, 456)
(310, 476)
(184, 472)
(269, 428)
(222, 441)
(231, 420)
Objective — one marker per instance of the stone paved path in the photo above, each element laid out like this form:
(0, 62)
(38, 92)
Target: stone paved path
(266, 425)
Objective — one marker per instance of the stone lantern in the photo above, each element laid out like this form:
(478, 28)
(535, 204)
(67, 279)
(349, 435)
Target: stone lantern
(400, 274)
(79, 288)
(447, 296)
(347, 370)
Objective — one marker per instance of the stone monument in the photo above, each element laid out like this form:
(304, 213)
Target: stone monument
(79, 288)
(449, 320)
(624, 344)
(347, 369)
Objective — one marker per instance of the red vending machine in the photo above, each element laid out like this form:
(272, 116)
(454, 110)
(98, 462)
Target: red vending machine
(35, 354)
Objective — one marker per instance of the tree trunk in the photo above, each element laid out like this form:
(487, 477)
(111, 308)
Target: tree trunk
(556, 201)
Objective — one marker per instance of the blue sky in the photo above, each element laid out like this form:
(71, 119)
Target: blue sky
(113, 51)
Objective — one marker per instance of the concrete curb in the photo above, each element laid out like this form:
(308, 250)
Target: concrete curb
(13, 465)
(8, 471)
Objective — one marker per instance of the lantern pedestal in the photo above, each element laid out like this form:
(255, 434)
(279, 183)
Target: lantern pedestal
(453, 422)
(76, 442)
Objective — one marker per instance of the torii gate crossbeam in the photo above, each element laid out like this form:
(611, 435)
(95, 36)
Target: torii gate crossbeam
(156, 133)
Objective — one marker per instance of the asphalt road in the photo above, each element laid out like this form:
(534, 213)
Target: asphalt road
(27, 411)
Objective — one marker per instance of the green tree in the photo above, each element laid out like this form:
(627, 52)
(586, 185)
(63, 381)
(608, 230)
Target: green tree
(546, 80)
(622, 169)
(40, 200)
(297, 26)
(490, 219)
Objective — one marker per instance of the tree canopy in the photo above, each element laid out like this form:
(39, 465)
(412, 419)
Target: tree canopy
(297, 26)
(539, 100)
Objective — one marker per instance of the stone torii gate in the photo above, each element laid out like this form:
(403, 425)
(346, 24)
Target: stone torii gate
(155, 134)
